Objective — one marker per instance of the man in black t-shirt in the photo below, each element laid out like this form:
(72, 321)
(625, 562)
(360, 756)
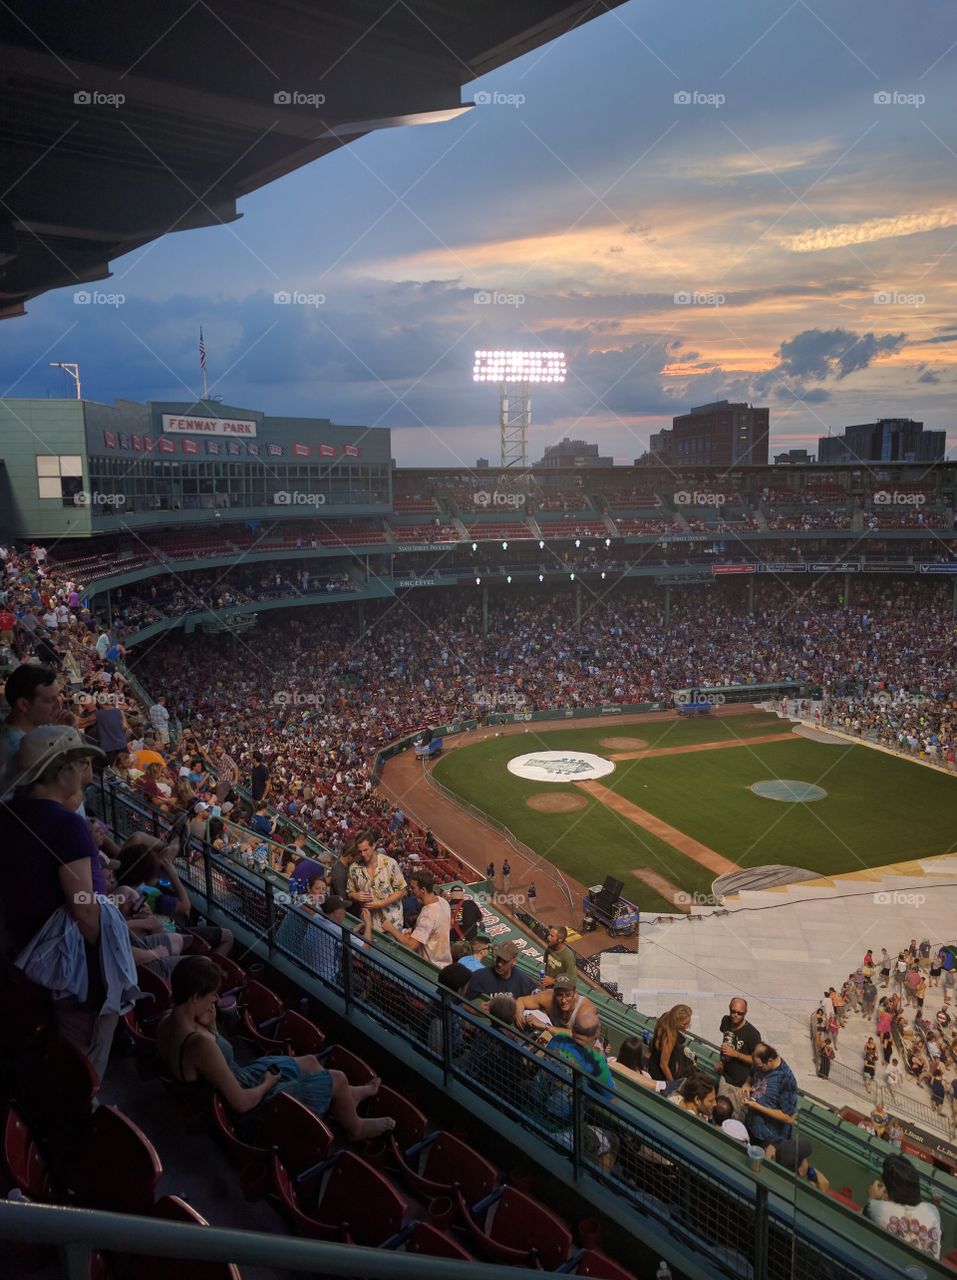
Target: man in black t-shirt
(502, 978)
(739, 1039)
(259, 779)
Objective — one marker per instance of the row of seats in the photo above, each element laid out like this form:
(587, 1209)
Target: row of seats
(416, 1189)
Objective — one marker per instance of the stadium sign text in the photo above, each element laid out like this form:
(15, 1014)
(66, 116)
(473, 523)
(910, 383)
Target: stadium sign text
(208, 426)
(847, 566)
(939, 568)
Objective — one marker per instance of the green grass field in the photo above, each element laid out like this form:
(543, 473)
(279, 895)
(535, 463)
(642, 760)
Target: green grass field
(878, 809)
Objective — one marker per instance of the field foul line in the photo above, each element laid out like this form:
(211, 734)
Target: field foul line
(651, 752)
(691, 848)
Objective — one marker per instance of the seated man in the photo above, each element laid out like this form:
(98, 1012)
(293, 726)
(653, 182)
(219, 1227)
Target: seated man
(795, 1154)
(502, 978)
(551, 1095)
(556, 1008)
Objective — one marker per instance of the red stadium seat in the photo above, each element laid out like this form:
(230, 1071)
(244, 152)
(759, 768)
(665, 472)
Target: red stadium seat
(22, 1158)
(297, 1135)
(144, 1045)
(115, 1168)
(351, 1065)
(513, 1228)
(251, 1160)
(157, 995)
(424, 1238)
(144, 1267)
(595, 1263)
(262, 1014)
(411, 1124)
(57, 1096)
(355, 1204)
(442, 1163)
(234, 976)
(300, 1035)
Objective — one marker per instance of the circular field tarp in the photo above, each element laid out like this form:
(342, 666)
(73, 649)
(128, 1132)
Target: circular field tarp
(560, 766)
(789, 792)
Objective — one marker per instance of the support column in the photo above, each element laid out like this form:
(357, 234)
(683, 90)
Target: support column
(667, 606)
(751, 596)
(847, 591)
(485, 611)
(362, 619)
(578, 606)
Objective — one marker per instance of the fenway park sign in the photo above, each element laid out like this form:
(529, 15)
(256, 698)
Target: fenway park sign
(174, 424)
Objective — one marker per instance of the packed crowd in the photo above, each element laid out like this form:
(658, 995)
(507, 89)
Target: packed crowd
(923, 1050)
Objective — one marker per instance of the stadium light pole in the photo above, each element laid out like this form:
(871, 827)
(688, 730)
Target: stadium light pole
(516, 372)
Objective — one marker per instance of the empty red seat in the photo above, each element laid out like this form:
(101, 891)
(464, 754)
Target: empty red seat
(300, 1034)
(350, 1202)
(262, 1014)
(22, 1158)
(425, 1238)
(514, 1228)
(115, 1167)
(144, 1267)
(595, 1263)
(442, 1162)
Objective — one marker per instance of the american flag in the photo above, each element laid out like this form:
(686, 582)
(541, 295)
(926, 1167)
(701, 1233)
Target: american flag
(202, 350)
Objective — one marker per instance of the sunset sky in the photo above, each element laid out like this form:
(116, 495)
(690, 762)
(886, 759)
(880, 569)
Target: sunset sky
(753, 201)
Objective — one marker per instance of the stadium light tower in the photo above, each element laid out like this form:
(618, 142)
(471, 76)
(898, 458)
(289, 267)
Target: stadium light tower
(516, 372)
(72, 369)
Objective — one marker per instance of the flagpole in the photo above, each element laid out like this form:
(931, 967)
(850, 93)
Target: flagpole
(202, 363)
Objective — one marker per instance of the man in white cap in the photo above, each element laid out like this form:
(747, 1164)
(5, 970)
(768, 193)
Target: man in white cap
(50, 860)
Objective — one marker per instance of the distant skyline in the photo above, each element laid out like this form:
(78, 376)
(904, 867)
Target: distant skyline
(754, 203)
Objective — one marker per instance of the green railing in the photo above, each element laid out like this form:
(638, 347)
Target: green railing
(77, 1233)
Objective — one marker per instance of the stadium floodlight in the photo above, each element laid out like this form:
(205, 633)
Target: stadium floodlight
(571, 577)
(541, 577)
(504, 546)
(516, 372)
(541, 545)
(578, 542)
(509, 579)
(478, 582)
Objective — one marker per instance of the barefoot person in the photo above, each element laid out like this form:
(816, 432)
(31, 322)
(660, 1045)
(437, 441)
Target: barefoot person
(194, 1051)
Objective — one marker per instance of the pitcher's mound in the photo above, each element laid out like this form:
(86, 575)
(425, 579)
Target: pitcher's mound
(623, 744)
(556, 802)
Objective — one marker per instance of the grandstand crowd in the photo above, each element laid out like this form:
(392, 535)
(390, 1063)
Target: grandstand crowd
(282, 735)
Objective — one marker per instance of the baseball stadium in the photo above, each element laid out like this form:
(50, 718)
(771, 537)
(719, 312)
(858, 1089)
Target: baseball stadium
(525, 867)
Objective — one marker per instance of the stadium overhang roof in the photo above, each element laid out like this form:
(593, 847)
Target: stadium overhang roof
(122, 122)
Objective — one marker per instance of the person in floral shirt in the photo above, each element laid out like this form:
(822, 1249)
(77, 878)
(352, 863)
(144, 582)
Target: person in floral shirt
(376, 881)
(895, 1205)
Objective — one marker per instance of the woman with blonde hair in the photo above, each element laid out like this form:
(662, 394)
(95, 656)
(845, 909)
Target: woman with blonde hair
(668, 1059)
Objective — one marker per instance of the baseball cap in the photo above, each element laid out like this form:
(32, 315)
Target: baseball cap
(41, 747)
(505, 951)
(184, 772)
(200, 806)
(456, 888)
(333, 902)
(735, 1129)
(564, 983)
(792, 1152)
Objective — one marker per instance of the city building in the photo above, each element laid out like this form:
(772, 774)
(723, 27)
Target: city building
(793, 457)
(886, 440)
(718, 434)
(481, 464)
(573, 453)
